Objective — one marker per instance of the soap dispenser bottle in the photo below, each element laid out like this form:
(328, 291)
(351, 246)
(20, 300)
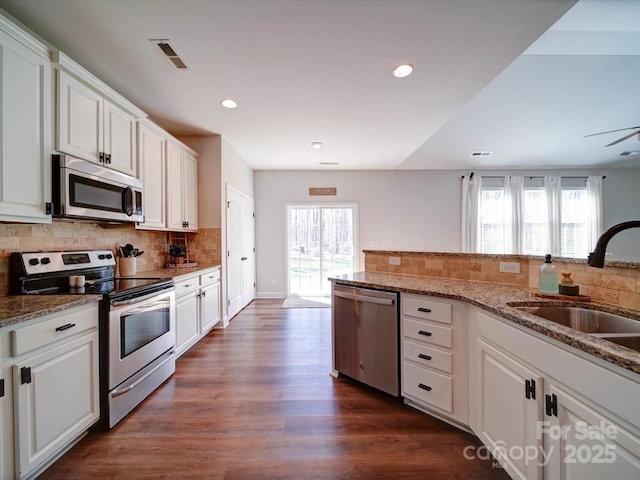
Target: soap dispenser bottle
(548, 281)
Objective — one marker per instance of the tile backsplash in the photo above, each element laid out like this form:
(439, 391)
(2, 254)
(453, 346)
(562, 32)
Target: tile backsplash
(61, 235)
(613, 284)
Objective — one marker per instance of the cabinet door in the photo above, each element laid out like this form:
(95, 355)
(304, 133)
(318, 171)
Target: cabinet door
(25, 162)
(80, 119)
(508, 419)
(187, 322)
(174, 187)
(582, 443)
(120, 139)
(152, 170)
(210, 306)
(190, 192)
(56, 396)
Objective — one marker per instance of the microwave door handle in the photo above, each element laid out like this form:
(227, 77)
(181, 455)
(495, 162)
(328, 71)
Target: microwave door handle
(128, 201)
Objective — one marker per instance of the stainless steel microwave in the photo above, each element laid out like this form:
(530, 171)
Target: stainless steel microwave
(85, 190)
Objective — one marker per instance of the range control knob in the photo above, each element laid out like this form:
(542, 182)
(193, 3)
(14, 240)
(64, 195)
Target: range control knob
(109, 256)
(102, 256)
(45, 260)
(34, 261)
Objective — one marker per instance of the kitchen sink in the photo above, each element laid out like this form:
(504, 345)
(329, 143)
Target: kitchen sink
(586, 320)
(629, 341)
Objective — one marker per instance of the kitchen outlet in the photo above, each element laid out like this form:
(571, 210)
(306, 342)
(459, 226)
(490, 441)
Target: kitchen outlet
(509, 267)
(395, 261)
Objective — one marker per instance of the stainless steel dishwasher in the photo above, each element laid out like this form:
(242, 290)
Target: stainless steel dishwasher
(365, 324)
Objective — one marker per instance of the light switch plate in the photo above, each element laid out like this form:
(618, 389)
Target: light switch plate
(509, 267)
(395, 261)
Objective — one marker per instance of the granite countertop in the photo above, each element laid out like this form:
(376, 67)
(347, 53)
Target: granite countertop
(175, 272)
(15, 309)
(20, 308)
(500, 299)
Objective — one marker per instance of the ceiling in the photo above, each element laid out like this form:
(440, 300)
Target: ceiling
(525, 80)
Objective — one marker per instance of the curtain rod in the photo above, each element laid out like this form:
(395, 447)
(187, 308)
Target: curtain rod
(529, 176)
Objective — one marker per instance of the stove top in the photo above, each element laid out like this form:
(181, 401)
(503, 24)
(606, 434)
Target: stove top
(42, 273)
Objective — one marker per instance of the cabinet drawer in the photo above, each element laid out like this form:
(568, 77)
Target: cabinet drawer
(209, 278)
(428, 386)
(422, 307)
(428, 332)
(427, 356)
(187, 286)
(53, 329)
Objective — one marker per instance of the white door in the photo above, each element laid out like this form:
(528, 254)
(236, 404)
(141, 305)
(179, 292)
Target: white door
(174, 187)
(321, 242)
(240, 251)
(248, 251)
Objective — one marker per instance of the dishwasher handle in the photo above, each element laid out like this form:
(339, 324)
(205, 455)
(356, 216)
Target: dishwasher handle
(364, 298)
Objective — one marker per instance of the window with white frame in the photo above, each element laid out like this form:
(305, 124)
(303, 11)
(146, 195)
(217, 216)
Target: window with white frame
(534, 217)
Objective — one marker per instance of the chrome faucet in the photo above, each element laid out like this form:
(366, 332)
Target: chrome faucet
(596, 258)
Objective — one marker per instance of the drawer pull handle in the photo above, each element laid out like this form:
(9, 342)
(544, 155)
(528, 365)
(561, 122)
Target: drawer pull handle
(425, 310)
(426, 334)
(424, 387)
(65, 327)
(424, 357)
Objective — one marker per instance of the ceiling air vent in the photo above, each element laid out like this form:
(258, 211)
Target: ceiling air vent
(630, 154)
(170, 53)
(481, 154)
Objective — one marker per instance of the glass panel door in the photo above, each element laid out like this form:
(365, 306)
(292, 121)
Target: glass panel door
(321, 243)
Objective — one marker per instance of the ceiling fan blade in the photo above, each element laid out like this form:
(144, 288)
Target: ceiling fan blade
(623, 138)
(611, 131)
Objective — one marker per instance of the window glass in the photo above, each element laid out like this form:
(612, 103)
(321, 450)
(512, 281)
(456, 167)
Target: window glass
(535, 217)
(492, 221)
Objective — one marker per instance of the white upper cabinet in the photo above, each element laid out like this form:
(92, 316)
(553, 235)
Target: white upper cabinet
(152, 170)
(25, 127)
(182, 188)
(94, 122)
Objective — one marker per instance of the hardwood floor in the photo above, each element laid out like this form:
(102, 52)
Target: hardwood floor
(256, 401)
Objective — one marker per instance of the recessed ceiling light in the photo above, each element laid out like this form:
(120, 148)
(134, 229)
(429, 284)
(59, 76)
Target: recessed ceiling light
(316, 145)
(403, 70)
(630, 154)
(329, 163)
(228, 103)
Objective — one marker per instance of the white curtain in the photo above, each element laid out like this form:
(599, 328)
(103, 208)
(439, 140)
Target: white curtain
(594, 195)
(471, 191)
(553, 196)
(513, 214)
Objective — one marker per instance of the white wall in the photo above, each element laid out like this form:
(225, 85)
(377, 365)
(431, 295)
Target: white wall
(235, 171)
(400, 210)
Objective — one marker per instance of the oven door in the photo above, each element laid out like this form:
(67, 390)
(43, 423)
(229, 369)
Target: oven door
(86, 190)
(140, 330)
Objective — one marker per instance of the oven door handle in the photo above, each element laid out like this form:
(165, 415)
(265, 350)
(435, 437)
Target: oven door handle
(131, 301)
(128, 388)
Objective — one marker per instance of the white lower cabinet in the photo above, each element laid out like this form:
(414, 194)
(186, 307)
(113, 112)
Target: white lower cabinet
(187, 315)
(197, 307)
(547, 412)
(55, 386)
(434, 356)
(209, 300)
(509, 413)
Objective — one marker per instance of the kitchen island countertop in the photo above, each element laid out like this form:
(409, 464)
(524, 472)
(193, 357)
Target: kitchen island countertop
(500, 300)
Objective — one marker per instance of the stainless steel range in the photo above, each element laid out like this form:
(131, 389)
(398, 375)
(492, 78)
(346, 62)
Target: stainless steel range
(137, 324)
